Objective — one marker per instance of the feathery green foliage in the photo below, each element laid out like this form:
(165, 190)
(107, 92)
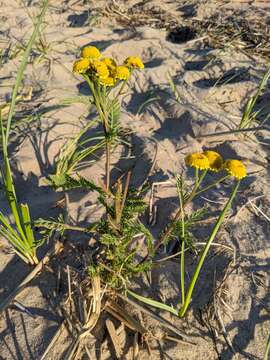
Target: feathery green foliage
(118, 258)
(51, 226)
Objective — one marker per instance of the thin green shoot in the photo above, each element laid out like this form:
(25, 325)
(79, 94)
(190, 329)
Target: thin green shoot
(22, 68)
(267, 349)
(249, 116)
(146, 103)
(195, 276)
(75, 151)
(154, 303)
(182, 237)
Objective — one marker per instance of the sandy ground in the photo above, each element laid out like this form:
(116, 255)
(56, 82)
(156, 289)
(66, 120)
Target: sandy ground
(229, 318)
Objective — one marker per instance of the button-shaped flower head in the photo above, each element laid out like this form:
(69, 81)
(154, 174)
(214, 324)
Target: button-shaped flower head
(109, 62)
(100, 69)
(81, 66)
(235, 168)
(215, 160)
(109, 81)
(122, 73)
(134, 62)
(198, 161)
(90, 52)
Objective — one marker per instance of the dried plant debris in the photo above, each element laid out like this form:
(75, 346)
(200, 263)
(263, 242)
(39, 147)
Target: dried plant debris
(246, 30)
(243, 30)
(141, 14)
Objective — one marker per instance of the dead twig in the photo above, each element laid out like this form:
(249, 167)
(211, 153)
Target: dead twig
(122, 315)
(114, 338)
(135, 347)
(93, 316)
(53, 340)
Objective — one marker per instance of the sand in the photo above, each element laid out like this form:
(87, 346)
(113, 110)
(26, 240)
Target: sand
(229, 317)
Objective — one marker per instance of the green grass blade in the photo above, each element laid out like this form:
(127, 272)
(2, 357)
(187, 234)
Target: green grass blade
(144, 104)
(248, 115)
(205, 251)
(7, 225)
(14, 241)
(11, 197)
(22, 68)
(267, 349)
(81, 155)
(75, 99)
(153, 303)
(27, 225)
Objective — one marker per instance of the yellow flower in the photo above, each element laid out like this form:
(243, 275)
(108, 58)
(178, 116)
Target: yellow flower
(215, 160)
(100, 69)
(111, 65)
(134, 62)
(197, 160)
(81, 65)
(109, 62)
(122, 73)
(90, 52)
(235, 168)
(109, 81)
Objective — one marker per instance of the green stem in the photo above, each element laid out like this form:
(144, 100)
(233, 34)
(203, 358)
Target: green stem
(196, 176)
(99, 102)
(108, 164)
(182, 270)
(212, 185)
(182, 257)
(121, 89)
(198, 182)
(205, 251)
(106, 126)
(178, 214)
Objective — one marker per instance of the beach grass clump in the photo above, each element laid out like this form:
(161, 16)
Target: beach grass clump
(20, 234)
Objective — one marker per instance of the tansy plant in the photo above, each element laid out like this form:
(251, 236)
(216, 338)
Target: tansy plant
(115, 257)
(103, 74)
(207, 161)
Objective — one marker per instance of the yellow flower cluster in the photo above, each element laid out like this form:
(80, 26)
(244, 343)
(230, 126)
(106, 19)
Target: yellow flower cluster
(211, 160)
(105, 70)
